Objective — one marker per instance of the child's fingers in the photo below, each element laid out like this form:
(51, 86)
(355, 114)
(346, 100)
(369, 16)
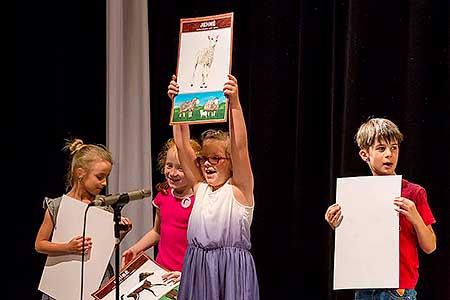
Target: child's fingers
(171, 277)
(231, 77)
(338, 221)
(331, 212)
(336, 217)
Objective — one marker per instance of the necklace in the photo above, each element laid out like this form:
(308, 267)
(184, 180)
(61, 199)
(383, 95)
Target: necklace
(185, 200)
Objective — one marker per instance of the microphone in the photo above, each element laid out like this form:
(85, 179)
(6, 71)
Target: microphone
(123, 197)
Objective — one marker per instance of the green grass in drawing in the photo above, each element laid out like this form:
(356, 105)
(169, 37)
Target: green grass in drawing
(220, 114)
(199, 107)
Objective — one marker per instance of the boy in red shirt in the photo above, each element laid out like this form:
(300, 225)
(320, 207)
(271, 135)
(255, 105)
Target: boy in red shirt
(379, 142)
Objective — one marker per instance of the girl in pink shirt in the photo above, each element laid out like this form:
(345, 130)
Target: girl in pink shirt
(173, 204)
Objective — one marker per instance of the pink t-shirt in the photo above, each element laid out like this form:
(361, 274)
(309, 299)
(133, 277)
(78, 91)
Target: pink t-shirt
(173, 230)
(409, 258)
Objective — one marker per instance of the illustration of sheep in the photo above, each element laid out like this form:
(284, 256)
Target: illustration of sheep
(210, 108)
(203, 113)
(188, 107)
(204, 59)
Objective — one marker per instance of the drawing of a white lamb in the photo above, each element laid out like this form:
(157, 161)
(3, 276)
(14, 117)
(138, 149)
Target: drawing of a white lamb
(203, 113)
(204, 59)
(188, 107)
(212, 106)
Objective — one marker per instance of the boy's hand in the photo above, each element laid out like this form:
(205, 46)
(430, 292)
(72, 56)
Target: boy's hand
(173, 88)
(407, 208)
(334, 215)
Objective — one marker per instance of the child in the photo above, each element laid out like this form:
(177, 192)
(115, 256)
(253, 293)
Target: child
(379, 142)
(218, 263)
(173, 204)
(86, 177)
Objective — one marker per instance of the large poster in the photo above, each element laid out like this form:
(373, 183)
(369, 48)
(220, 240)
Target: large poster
(204, 61)
(367, 240)
(140, 279)
(61, 278)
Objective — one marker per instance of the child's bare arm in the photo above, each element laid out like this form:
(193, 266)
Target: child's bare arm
(242, 170)
(425, 234)
(45, 246)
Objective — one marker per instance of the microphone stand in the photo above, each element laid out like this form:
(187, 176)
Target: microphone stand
(117, 206)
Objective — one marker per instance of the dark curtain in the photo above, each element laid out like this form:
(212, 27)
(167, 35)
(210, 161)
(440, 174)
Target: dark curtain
(310, 72)
(60, 93)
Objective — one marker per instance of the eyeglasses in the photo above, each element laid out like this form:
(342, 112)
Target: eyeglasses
(214, 160)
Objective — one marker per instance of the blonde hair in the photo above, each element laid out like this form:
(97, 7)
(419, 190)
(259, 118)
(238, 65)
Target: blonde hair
(216, 134)
(377, 129)
(82, 156)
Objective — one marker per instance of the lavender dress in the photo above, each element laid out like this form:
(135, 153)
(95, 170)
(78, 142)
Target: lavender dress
(218, 264)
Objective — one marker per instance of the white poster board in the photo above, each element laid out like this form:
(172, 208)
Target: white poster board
(204, 62)
(367, 240)
(61, 278)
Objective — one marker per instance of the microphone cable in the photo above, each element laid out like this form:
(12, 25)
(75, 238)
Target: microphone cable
(82, 252)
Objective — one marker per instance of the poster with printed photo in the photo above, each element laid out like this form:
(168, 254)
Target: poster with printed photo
(139, 279)
(204, 61)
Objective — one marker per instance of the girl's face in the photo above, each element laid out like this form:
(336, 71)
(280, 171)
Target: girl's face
(95, 179)
(215, 163)
(382, 157)
(173, 171)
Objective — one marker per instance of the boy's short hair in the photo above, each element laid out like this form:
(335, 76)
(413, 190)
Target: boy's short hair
(377, 129)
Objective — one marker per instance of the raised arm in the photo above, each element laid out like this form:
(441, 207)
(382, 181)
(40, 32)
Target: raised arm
(182, 138)
(242, 171)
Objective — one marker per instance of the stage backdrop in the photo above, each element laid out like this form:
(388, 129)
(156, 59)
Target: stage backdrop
(128, 111)
(309, 73)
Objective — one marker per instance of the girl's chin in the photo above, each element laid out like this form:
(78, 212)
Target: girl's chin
(215, 182)
(211, 181)
(176, 185)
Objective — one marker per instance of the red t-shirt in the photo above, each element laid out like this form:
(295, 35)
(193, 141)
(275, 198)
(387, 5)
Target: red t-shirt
(409, 258)
(173, 230)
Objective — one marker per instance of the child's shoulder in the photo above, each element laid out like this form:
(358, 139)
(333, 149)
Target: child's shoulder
(413, 191)
(51, 203)
(410, 185)
(162, 196)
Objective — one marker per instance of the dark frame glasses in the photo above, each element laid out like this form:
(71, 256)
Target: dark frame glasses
(213, 160)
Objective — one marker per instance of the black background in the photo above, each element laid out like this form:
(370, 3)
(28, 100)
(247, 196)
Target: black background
(309, 73)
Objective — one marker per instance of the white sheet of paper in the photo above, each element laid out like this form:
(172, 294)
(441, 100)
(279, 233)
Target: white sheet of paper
(61, 278)
(367, 241)
(193, 42)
